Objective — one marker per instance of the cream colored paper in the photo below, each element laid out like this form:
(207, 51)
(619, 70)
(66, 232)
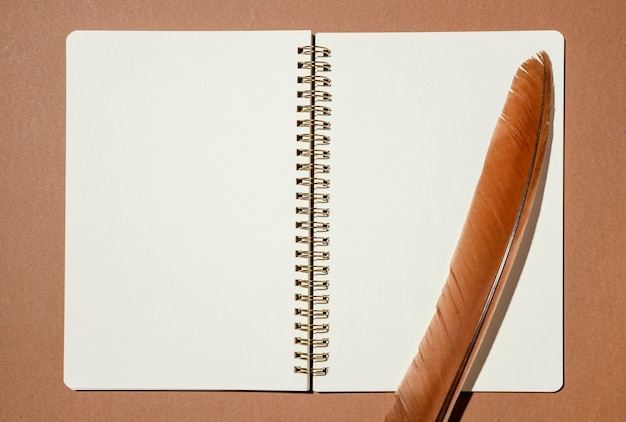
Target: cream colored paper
(412, 118)
(180, 210)
(180, 207)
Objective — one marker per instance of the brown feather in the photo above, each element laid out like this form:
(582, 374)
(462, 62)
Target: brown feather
(486, 249)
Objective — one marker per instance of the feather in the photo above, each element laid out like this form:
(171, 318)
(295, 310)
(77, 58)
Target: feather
(486, 249)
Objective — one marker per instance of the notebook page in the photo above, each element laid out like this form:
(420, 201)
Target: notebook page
(412, 118)
(180, 210)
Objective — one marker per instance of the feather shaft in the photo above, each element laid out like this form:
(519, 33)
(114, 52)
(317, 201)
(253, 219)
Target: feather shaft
(486, 249)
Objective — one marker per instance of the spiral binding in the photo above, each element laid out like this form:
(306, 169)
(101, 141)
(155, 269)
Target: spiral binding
(310, 183)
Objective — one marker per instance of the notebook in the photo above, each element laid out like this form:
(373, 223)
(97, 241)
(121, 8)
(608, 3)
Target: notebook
(268, 210)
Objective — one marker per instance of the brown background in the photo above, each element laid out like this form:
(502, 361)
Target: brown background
(32, 159)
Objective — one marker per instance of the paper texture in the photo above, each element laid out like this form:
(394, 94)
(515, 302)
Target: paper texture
(180, 210)
(412, 119)
(180, 207)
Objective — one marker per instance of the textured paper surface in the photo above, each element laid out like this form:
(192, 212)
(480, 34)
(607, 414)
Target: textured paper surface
(179, 217)
(179, 210)
(412, 119)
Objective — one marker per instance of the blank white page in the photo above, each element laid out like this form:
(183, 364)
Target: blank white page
(180, 210)
(412, 117)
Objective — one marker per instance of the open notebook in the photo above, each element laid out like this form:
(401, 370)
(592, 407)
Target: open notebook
(200, 216)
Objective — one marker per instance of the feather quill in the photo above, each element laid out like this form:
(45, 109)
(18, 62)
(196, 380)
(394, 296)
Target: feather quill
(486, 249)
